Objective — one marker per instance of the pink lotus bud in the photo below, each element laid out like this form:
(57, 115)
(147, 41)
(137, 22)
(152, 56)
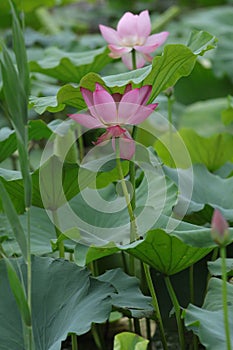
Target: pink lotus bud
(219, 228)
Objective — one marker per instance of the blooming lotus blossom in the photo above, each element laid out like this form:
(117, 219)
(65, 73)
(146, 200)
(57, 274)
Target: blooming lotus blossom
(133, 33)
(220, 228)
(114, 112)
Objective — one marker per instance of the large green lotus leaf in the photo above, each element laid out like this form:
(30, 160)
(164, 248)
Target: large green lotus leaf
(128, 298)
(225, 171)
(177, 61)
(190, 234)
(84, 254)
(49, 103)
(214, 303)
(103, 217)
(42, 232)
(64, 299)
(215, 267)
(201, 41)
(66, 95)
(213, 151)
(129, 341)
(166, 253)
(207, 322)
(163, 251)
(71, 95)
(99, 172)
(208, 189)
(70, 66)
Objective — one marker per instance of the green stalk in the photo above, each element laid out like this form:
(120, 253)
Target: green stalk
(169, 108)
(191, 286)
(80, 144)
(133, 227)
(98, 337)
(58, 233)
(155, 305)
(170, 120)
(224, 296)
(137, 328)
(134, 135)
(74, 341)
(132, 171)
(176, 305)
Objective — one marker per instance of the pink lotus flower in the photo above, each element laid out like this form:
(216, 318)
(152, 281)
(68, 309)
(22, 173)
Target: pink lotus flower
(133, 33)
(114, 112)
(220, 228)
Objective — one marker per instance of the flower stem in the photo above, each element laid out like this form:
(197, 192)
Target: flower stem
(224, 296)
(98, 337)
(134, 64)
(191, 283)
(74, 341)
(170, 120)
(192, 300)
(80, 143)
(58, 233)
(133, 227)
(155, 305)
(169, 109)
(134, 134)
(176, 305)
(132, 172)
